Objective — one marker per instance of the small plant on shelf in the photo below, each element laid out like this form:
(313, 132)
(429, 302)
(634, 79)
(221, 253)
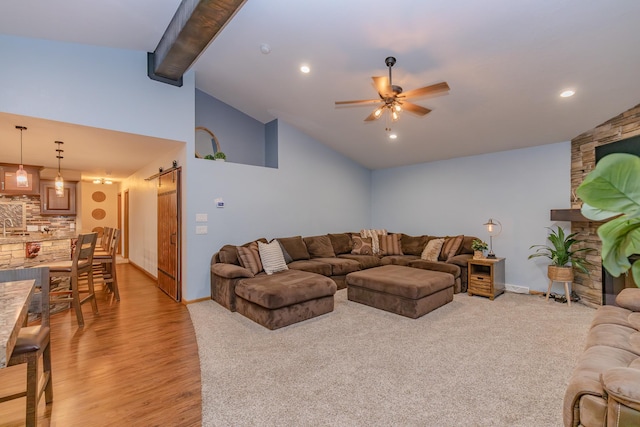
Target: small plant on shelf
(479, 245)
(220, 156)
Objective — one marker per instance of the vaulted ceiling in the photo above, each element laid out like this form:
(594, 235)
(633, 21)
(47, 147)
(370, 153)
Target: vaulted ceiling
(506, 63)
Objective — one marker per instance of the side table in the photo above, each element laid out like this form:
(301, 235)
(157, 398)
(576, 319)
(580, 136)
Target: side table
(486, 277)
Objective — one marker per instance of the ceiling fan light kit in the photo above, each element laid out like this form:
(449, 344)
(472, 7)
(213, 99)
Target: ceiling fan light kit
(394, 100)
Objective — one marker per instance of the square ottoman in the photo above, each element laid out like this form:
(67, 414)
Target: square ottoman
(410, 292)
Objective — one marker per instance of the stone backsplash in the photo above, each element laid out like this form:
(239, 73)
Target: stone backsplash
(33, 217)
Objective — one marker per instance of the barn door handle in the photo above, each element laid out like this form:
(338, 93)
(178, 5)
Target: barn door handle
(172, 238)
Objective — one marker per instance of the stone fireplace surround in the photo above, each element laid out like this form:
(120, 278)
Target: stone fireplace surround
(583, 160)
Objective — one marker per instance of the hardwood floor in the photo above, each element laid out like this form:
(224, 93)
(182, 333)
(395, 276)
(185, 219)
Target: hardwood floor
(134, 364)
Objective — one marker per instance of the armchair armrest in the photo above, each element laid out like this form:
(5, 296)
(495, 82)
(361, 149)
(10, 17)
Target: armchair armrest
(230, 271)
(622, 387)
(460, 260)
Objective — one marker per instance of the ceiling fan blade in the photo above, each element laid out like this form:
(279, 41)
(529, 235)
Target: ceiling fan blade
(382, 86)
(414, 108)
(371, 117)
(427, 90)
(363, 101)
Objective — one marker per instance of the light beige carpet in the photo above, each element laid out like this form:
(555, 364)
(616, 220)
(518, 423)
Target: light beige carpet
(473, 362)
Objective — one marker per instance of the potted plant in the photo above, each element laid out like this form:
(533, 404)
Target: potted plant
(478, 247)
(611, 191)
(561, 253)
(220, 156)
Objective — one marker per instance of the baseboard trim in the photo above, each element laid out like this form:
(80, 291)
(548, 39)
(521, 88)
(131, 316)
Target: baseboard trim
(517, 289)
(151, 276)
(193, 301)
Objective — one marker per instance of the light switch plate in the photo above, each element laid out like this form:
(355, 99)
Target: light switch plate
(201, 217)
(201, 229)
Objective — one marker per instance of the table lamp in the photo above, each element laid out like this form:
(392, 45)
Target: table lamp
(494, 228)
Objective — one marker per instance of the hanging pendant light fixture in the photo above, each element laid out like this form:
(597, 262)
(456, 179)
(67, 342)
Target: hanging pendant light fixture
(59, 182)
(22, 180)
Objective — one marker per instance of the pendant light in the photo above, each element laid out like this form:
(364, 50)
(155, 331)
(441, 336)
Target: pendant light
(22, 180)
(59, 182)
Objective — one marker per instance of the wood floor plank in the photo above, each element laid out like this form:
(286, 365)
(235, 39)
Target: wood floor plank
(136, 363)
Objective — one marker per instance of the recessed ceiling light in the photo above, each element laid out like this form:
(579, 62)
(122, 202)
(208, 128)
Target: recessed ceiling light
(567, 93)
(265, 48)
(305, 69)
(393, 136)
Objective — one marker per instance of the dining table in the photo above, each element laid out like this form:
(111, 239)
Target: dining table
(15, 297)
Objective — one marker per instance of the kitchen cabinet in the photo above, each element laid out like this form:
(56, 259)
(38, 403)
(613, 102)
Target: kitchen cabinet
(50, 204)
(8, 184)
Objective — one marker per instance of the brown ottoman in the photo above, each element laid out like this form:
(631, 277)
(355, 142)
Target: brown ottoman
(410, 292)
(284, 298)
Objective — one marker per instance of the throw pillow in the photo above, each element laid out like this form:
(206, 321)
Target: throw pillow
(250, 257)
(362, 246)
(285, 254)
(295, 247)
(451, 247)
(390, 244)
(432, 250)
(341, 243)
(271, 257)
(319, 246)
(373, 233)
(413, 245)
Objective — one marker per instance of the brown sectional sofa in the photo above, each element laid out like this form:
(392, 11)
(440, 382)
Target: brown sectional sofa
(319, 258)
(604, 388)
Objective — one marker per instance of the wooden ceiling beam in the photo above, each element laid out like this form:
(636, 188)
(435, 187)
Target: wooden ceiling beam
(194, 25)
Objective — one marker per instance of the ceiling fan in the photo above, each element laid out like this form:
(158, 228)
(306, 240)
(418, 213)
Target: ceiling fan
(393, 99)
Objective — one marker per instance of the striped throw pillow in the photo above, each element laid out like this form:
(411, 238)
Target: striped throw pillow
(390, 244)
(272, 257)
(373, 233)
(451, 247)
(250, 257)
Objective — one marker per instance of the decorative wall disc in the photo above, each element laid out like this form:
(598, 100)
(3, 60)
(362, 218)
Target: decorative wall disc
(98, 230)
(98, 196)
(98, 214)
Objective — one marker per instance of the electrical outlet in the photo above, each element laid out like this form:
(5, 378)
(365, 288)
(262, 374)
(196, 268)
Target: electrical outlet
(201, 229)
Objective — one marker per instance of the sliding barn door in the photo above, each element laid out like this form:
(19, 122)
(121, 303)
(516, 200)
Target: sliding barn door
(169, 234)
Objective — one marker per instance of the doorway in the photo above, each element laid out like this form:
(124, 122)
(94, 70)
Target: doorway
(169, 235)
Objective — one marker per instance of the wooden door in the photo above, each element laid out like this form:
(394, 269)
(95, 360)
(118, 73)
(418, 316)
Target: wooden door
(125, 236)
(169, 233)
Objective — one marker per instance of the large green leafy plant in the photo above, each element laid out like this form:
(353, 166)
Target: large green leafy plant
(561, 252)
(612, 190)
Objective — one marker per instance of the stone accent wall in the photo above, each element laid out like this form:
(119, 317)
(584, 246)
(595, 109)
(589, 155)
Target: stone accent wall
(583, 160)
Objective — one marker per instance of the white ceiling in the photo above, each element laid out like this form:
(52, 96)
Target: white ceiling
(506, 63)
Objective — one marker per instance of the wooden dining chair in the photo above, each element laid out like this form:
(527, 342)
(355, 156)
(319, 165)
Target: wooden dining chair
(32, 343)
(79, 270)
(104, 265)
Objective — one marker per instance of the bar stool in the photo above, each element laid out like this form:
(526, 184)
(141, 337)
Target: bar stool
(104, 264)
(33, 342)
(80, 267)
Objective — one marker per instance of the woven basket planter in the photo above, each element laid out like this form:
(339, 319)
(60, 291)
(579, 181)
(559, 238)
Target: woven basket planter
(560, 274)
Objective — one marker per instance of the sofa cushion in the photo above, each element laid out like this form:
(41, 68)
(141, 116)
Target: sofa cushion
(285, 288)
(295, 247)
(271, 257)
(365, 261)
(451, 247)
(285, 254)
(413, 245)
(311, 266)
(466, 245)
(340, 266)
(341, 243)
(398, 259)
(250, 257)
(319, 246)
(362, 246)
(432, 250)
(390, 244)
